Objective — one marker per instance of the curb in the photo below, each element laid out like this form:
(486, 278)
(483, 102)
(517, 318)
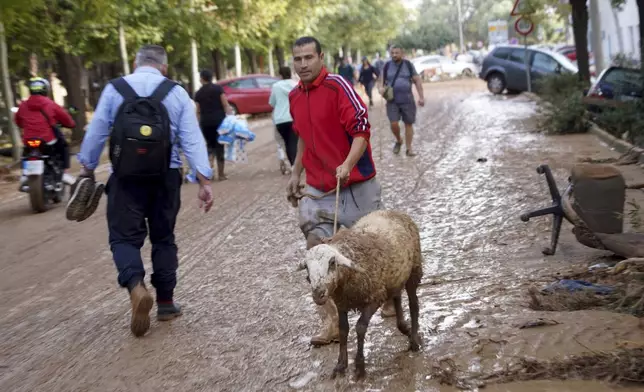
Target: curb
(619, 145)
(613, 142)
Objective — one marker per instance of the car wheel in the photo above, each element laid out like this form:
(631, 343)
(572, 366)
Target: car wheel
(234, 109)
(496, 83)
(468, 73)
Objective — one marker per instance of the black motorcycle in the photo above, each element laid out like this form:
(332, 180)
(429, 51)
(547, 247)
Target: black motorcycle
(44, 171)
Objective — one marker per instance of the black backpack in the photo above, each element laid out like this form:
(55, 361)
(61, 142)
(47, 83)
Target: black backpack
(140, 141)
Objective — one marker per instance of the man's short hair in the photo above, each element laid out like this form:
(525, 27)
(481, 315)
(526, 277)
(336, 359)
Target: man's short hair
(285, 72)
(206, 75)
(302, 41)
(395, 46)
(151, 55)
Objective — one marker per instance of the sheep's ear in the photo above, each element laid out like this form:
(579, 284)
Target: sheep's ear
(340, 259)
(301, 266)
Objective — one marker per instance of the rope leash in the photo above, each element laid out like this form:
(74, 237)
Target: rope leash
(301, 195)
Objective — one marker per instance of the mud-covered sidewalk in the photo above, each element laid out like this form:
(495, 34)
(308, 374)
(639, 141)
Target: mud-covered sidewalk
(248, 316)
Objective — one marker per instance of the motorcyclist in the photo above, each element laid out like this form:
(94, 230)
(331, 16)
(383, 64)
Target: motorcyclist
(39, 117)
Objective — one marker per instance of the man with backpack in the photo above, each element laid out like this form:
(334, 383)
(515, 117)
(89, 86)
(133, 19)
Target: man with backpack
(394, 84)
(147, 118)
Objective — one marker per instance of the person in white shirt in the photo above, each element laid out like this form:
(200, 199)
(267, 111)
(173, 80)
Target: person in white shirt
(282, 112)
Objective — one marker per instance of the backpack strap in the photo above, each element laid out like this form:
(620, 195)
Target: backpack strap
(124, 88)
(163, 90)
(411, 70)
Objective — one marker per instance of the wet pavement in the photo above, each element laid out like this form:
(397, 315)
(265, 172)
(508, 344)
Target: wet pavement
(249, 316)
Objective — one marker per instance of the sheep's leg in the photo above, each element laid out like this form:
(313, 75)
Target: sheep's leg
(400, 316)
(414, 338)
(361, 331)
(343, 359)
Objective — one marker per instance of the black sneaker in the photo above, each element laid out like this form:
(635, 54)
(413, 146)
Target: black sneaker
(167, 312)
(397, 148)
(92, 203)
(79, 197)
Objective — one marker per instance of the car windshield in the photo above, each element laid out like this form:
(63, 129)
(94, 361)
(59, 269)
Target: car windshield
(625, 81)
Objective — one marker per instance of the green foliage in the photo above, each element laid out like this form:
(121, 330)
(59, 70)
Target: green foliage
(625, 121)
(560, 107)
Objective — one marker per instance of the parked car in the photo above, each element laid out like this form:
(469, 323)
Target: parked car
(615, 86)
(427, 66)
(249, 94)
(505, 68)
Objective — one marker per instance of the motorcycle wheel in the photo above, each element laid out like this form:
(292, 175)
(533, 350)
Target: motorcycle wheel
(36, 194)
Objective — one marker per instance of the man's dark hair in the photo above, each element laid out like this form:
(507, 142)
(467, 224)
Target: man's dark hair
(285, 72)
(309, 40)
(206, 75)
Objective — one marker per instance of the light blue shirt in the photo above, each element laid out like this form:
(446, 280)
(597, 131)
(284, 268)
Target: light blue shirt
(183, 123)
(279, 100)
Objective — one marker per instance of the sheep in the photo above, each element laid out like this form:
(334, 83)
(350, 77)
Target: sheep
(362, 267)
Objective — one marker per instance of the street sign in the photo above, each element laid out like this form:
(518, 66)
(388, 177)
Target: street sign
(522, 7)
(524, 26)
(497, 32)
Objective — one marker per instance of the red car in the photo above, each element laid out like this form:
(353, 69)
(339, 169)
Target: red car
(249, 94)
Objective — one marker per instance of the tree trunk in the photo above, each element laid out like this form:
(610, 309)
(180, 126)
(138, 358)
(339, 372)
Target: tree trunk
(580, 32)
(279, 54)
(14, 133)
(123, 50)
(252, 60)
(71, 68)
(218, 63)
(640, 8)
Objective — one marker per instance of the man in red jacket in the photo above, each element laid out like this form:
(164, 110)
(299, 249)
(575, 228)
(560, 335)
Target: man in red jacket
(333, 128)
(39, 117)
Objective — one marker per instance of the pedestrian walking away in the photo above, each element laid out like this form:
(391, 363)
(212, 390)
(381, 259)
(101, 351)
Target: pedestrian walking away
(212, 108)
(347, 71)
(152, 117)
(38, 117)
(333, 128)
(368, 77)
(395, 83)
(282, 112)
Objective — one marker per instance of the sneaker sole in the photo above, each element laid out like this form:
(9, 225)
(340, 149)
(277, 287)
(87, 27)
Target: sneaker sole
(93, 202)
(78, 200)
(168, 317)
(140, 322)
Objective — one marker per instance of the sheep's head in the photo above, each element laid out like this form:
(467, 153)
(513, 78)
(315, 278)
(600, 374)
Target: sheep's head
(321, 263)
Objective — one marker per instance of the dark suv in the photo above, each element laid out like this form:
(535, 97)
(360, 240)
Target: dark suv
(504, 67)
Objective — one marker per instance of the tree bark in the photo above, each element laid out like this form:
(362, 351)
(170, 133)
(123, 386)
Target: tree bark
(14, 133)
(252, 60)
(218, 63)
(71, 67)
(640, 8)
(279, 54)
(580, 32)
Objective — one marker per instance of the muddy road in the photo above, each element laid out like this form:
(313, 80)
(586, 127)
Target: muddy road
(248, 317)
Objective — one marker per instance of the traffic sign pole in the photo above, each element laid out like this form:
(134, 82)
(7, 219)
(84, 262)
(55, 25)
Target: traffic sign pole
(524, 26)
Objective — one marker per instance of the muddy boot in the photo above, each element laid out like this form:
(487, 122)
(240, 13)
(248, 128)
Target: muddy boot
(168, 311)
(329, 332)
(141, 304)
(220, 171)
(388, 309)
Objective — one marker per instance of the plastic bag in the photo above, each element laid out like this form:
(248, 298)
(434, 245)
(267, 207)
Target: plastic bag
(227, 125)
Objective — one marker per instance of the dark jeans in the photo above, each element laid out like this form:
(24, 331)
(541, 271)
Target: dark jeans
(62, 147)
(369, 89)
(132, 202)
(290, 140)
